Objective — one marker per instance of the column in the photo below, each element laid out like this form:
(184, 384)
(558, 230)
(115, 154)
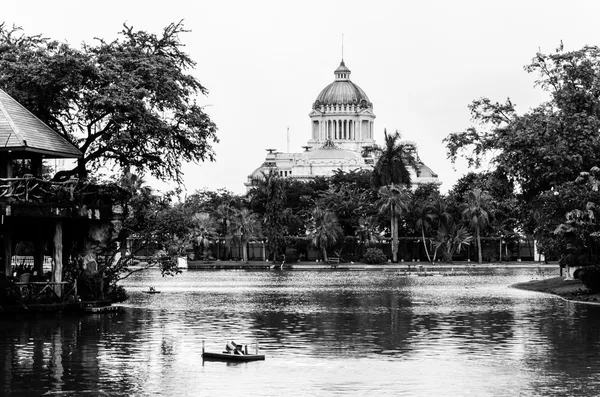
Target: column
(7, 246)
(38, 251)
(57, 257)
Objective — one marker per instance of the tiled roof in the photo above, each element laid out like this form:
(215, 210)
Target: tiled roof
(20, 130)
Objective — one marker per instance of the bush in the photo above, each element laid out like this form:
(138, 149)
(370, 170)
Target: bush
(374, 256)
(291, 255)
(590, 277)
(118, 294)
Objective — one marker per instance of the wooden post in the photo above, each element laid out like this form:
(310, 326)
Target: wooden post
(7, 246)
(57, 257)
(38, 251)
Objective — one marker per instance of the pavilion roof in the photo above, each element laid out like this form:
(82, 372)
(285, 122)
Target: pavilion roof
(21, 131)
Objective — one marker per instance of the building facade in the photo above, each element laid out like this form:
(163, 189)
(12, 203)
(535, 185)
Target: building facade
(342, 126)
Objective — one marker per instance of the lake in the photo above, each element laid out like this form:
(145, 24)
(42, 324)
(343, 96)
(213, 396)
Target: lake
(324, 333)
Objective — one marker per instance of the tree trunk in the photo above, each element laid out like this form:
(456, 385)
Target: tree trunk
(81, 170)
(394, 227)
(57, 256)
(425, 244)
(324, 251)
(7, 247)
(500, 249)
(245, 251)
(479, 257)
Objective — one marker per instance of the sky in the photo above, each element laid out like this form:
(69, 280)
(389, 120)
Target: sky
(265, 62)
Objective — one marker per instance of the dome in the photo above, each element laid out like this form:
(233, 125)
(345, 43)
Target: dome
(425, 172)
(342, 91)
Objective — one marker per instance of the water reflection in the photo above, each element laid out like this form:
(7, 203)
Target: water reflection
(324, 333)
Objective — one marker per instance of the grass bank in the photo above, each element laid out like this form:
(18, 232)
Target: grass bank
(571, 290)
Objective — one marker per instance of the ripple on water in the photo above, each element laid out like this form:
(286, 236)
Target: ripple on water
(324, 333)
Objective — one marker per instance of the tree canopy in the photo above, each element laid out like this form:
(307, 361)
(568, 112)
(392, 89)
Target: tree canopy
(550, 144)
(394, 161)
(129, 102)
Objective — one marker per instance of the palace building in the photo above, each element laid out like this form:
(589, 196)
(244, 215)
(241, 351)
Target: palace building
(342, 126)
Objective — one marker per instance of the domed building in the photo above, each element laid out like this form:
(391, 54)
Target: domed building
(341, 127)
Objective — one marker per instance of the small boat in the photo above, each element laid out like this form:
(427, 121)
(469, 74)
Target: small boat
(233, 352)
(152, 290)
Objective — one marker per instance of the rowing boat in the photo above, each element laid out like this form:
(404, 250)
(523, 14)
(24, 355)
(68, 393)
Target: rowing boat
(233, 352)
(232, 357)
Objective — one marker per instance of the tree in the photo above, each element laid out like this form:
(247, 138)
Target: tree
(226, 215)
(424, 217)
(324, 231)
(124, 103)
(478, 214)
(202, 233)
(450, 238)
(579, 231)
(368, 231)
(550, 144)
(246, 226)
(393, 162)
(268, 198)
(422, 211)
(394, 200)
(348, 202)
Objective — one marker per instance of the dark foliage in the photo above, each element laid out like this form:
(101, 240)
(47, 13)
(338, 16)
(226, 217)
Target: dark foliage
(124, 103)
(374, 256)
(590, 277)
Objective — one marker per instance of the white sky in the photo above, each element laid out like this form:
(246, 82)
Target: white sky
(265, 62)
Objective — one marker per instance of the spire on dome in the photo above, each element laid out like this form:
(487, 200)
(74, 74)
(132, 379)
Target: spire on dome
(342, 73)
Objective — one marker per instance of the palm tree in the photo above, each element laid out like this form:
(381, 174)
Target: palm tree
(368, 231)
(441, 217)
(324, 230)
(246, 227)
(393, 200)
(268, 197)
(451, 238)
(393, 162)
(203, 231)
(226, 214)
(425, 214)
(478, 213)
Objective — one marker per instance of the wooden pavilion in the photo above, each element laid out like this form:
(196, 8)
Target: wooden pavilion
(50, 216)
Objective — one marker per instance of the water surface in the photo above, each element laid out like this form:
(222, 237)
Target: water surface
(325, 333)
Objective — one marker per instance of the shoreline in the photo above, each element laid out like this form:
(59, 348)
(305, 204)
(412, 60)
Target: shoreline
(413, 266)
(568, 290)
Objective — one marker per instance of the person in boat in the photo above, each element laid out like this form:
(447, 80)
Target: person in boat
(234, 348)
(152, 289)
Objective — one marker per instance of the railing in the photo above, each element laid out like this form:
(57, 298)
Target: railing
(43, 292)
(26, 261)
(30, 188)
